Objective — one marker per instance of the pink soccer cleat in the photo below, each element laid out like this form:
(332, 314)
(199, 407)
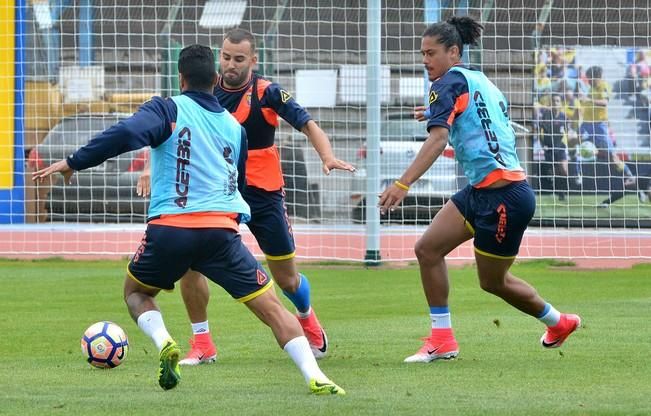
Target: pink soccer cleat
(202, 351)
(441, 344)
(556, 335)
(315, 334)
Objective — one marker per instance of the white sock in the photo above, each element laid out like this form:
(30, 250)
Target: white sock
(550, 316)
(151, 323)
(306, 314)
(441, 320)
(300, 352)
(200, 328)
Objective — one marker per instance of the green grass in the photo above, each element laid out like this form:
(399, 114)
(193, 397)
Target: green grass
(587, 207)
(374, 319)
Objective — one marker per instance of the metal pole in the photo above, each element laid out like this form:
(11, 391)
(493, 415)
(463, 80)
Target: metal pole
(269, 42)
(169, 69)
(17, 194)
(543, 16)
(462, 10)
(433, 13)
(85, 33)
(373, 97)
(433, 10)
(51, 38)
(476, 54)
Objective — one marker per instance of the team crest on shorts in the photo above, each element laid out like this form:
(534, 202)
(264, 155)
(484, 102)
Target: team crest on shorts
(262, 277)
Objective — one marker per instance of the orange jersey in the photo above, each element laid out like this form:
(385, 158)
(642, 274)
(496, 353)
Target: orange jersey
(257, 107)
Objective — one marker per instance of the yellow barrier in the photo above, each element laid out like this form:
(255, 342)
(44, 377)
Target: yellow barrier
(7, 91)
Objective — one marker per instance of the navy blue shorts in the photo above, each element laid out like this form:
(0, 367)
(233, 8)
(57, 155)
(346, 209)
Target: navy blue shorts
(497, 217)
(166, 253)
(269, 223)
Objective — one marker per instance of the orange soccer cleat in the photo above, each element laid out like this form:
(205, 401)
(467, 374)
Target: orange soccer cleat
(556, 335)
(315, 334)
(202, 351)
(441, 344)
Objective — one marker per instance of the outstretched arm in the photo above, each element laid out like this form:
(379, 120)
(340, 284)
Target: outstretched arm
(292, 112)
(60, 166)
(431, 150)
(321, 144)
(150, 126)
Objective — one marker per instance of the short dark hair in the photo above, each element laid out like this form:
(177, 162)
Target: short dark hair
(197, 65)
(456, 31)
(594, 72)
(238, 35)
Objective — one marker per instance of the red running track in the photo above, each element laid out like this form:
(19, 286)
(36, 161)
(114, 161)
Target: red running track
(590, 249)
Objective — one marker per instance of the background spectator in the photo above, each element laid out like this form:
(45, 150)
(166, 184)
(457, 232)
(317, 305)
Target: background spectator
(553, 127)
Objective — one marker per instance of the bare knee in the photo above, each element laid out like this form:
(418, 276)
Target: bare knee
(130, 290)
(492, 286)
(138, 298)
(289, 283)
(285, 274)
(190, 279)
(126, 298)
(270, 310)
(273, 313)
(426, 254)
(494, 274)
(138, 303)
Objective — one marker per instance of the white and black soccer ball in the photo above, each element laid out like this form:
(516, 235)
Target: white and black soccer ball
(104, 345)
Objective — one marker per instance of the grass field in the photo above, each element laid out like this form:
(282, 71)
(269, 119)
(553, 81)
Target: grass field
(586, 206)
(374, 319)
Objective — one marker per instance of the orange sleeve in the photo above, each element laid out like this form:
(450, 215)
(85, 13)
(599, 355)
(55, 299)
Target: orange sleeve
(268, 113)
(460, 106)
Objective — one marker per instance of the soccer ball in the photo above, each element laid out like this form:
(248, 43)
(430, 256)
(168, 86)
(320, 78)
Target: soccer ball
(104, 344)
(588, 150)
